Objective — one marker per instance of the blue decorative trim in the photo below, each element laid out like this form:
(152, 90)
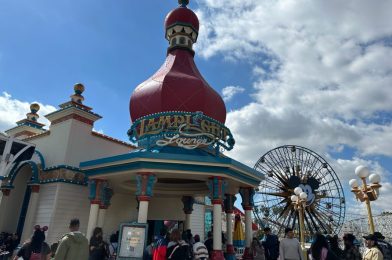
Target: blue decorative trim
(14, 171)
(92, 185)
(145, 184)
(63, 166)
(63, 181)
(74, 106)
(35, 171)
(214, 170)
(41, 158)
(223, 139)
(142, 155)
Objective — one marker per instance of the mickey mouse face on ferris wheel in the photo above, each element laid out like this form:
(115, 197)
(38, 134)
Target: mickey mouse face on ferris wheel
(310, 187)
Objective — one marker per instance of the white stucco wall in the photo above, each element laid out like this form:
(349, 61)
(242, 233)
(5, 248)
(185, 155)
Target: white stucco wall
(47, 197)
(71, 142)
(122, 209)
(166, 209)
(71, 201)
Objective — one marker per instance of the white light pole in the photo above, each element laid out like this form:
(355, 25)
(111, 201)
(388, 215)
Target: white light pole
(366, 193)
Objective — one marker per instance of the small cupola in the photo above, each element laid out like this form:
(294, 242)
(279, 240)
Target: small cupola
(182, 27)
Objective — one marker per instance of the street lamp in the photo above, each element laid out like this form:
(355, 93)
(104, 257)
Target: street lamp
(299, 201)
(366, 193)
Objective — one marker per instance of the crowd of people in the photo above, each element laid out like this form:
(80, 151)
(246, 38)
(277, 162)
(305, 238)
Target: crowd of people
(326, 247)
(178, 245)
(8, 243)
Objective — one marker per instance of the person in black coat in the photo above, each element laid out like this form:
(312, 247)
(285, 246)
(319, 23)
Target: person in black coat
(98, 247)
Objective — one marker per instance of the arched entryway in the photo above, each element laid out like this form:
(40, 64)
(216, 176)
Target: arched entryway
(17, 191)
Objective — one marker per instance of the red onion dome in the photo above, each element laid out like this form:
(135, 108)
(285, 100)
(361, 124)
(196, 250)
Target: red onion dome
(177, 86)
(184, 16)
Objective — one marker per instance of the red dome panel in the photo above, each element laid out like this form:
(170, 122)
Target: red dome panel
(177, 86)
(182, 15)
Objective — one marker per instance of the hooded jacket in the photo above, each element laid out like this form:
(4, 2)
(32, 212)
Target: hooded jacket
(72, 246)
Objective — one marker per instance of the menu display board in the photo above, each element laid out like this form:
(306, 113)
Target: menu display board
(133, 241)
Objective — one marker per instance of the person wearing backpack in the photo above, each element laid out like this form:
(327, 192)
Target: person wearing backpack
(36, 248)
(178, 249)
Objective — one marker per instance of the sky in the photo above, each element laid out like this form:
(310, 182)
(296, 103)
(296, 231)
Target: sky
(311, 73)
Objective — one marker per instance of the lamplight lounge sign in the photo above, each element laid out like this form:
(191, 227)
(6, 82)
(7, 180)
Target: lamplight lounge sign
(182, 129)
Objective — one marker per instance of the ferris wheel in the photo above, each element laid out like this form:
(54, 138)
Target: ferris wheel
(287, 167)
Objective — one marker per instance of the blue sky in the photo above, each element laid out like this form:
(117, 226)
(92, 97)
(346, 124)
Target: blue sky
(314, 74)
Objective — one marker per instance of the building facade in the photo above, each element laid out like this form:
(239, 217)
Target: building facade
(175, 161)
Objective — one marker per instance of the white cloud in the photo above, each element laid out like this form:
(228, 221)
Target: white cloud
(13, 110)
(230, 91)
(323, 76)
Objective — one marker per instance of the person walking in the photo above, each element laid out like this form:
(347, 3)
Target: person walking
(73, 245)
(36, 248)
(200, 251)
(178, 249)
(257, 250)
(384, 246)
(271, 245)
(372, 252)
(98, 247)
(290, 249)
(350, 252)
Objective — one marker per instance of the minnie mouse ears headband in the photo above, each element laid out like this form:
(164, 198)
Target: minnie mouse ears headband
(38, 227)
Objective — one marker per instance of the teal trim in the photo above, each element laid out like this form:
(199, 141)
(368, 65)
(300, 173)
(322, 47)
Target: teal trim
(15, 170)
(63, 166)
(224, 170)
(148, 140)
(170, 156)
(64, 181)
(73, 106)
(35, 178)
(41, 158)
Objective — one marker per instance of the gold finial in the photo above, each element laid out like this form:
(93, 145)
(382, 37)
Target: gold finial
(34, 108)
(78, 88)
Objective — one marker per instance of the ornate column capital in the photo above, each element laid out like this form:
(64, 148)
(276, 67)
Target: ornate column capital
(100, 193)
(145, 183)
(217, 187)
(228, 203)
(188, 202)
(247, 194)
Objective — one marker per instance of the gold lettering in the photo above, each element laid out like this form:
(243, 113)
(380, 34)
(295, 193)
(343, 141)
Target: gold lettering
(164, 122)
(141, 128)
(178, 120)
